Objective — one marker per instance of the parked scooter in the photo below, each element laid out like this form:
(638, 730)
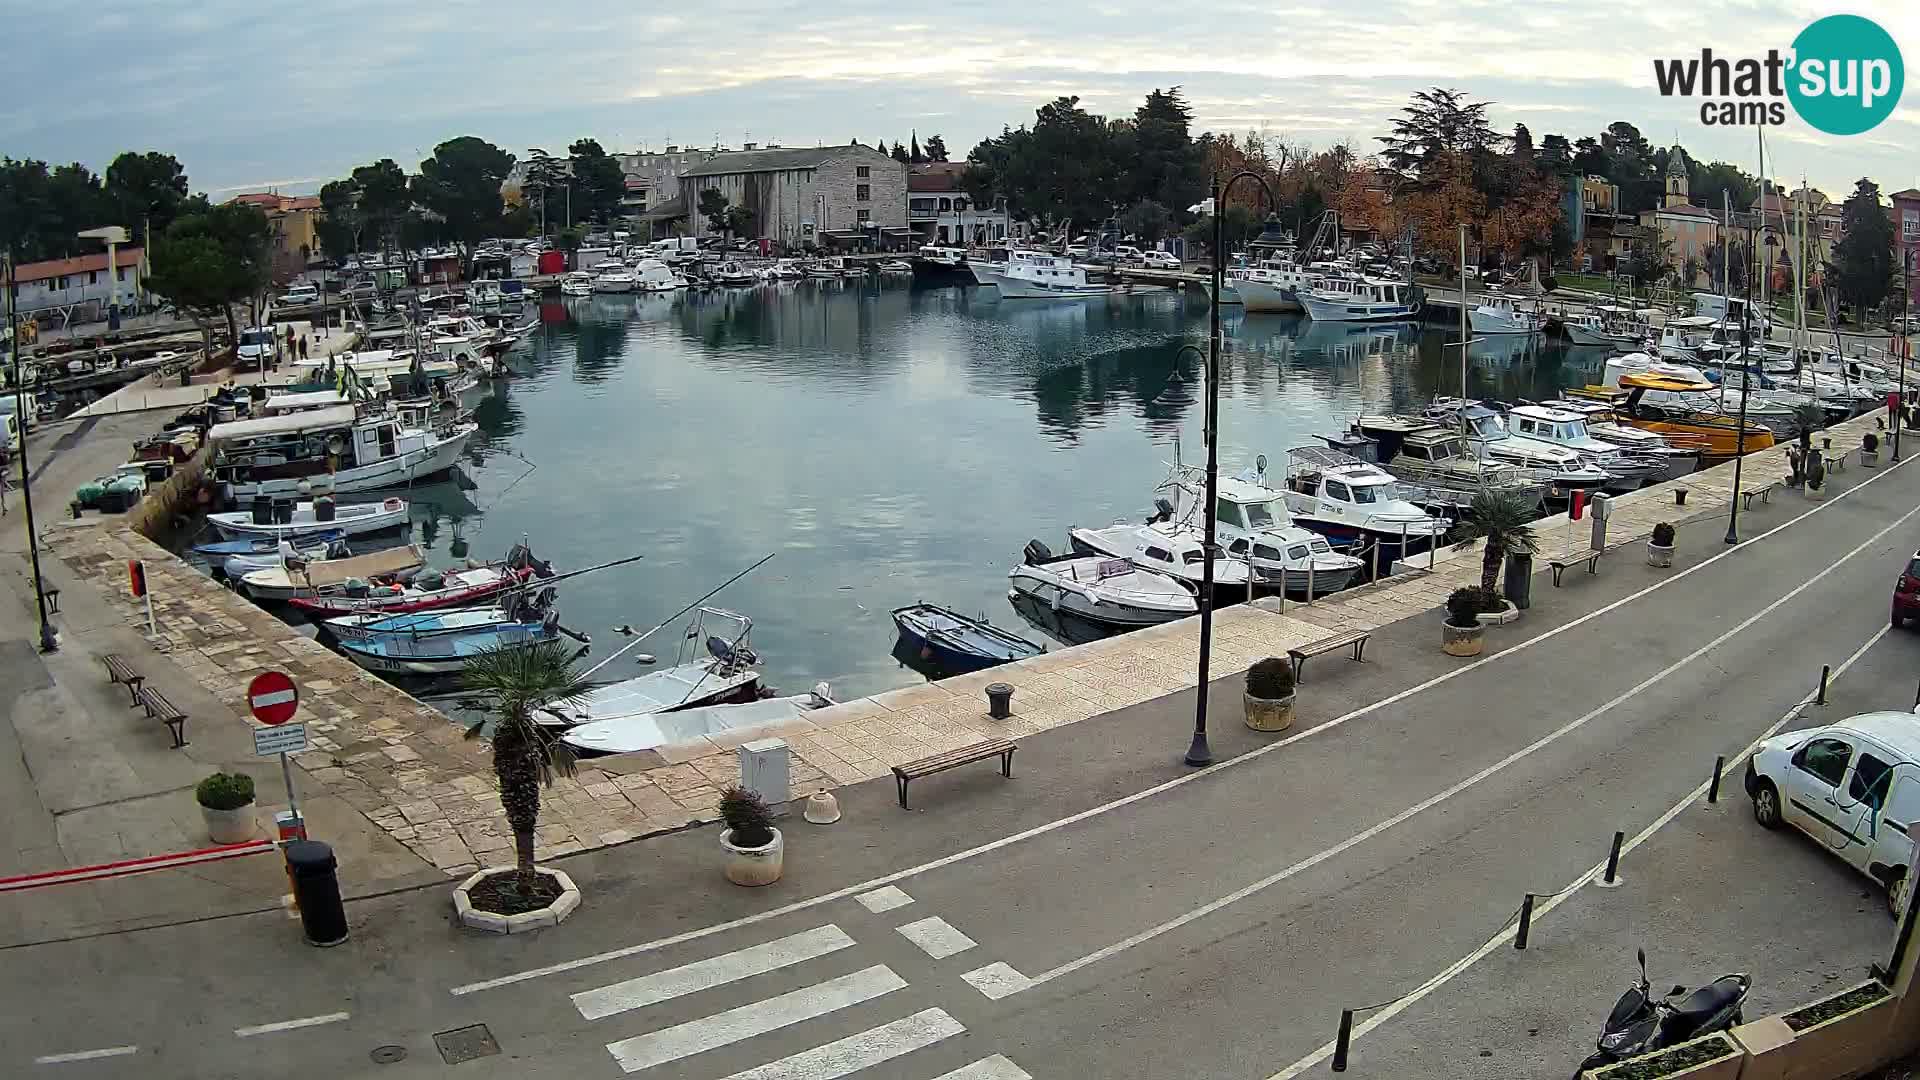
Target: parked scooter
(1640, 1024)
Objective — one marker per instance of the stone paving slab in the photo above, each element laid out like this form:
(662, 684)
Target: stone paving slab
(413, 773)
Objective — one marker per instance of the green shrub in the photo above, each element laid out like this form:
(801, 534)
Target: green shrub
(1870, 442)
(1470, 601)
(225, 791)
(1270, 679)
(747, 815)
(1663, 535)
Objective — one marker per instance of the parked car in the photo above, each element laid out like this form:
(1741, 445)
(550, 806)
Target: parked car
(1906, 592)
(300, 294)
(360, 290)
(1160, 260)
(1837, 784)
(1077, 251)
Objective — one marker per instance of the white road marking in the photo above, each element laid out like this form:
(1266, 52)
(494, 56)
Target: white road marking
(278, 697)
(1590, 877)
(844, 1057)
(758, 1018)
(936, 937)
(1158, 789)
(988, 1068)
(85, 1055)
(1447, 793)
(715, 971)
(997, 980)
(289, 1025)
(886, 899)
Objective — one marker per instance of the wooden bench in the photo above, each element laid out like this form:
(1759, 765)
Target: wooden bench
(1355, 638)
(121, 672)
(1591, 557)
(1764, 492)
(159, 708)
(1836, 462)
(979, 751)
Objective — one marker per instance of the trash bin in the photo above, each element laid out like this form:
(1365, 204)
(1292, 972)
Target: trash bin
(1519, 584)
(316, 888)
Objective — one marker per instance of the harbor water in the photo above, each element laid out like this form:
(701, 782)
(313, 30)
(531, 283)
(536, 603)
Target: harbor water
(889, 445)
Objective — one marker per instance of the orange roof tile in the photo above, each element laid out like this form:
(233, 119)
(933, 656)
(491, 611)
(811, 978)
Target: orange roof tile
(79, 264)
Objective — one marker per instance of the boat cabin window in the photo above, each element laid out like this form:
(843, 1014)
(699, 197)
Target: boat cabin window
(1338, 490)
(1159, 554)
(386, 440)
(1228, 512)
(1260, 515)
(1524, 425)
(1297, 551)
(1265, 551)
(1363, 494)
(1574, 430)
(1238, 547)
(1191, 558)
(1320, 545)
(1417, 453)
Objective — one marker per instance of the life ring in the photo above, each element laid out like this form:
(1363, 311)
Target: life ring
(391, 504)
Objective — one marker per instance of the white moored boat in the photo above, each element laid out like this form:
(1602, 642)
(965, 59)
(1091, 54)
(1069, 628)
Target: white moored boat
(346, 448)
(726, 674)
(1168, 547)
(333, 577)
(614, 279)
(1498, 315)
(1358, 299)
(1109, 591)
(1036, 275)
(351, 519)
(644, 731)
(577, 283)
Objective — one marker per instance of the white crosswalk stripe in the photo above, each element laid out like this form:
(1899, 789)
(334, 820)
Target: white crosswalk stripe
(844, 1057)
(758, 1018)
(936, 936)
(988, 1068)
(718, 971)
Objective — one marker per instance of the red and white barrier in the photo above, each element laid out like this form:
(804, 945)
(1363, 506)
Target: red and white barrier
(142, 865)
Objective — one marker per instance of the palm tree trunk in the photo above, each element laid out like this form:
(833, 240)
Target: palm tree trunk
(523, 858)
(1490, 561)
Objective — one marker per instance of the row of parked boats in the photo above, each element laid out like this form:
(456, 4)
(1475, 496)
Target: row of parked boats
(648, 275)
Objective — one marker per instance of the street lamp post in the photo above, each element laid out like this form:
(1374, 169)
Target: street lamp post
(1906, 346)
(47, 641)
(1740, 430)
(1199, 753)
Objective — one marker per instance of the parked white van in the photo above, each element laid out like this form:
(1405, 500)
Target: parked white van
(301, 294)
(1853, 786)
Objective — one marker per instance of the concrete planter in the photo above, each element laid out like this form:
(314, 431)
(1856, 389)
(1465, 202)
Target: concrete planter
(551, 915)
(1505, 615)
(1659, 556)
(1848, 1044)
(1726, 1066)
(1462, 640)
(1869, 459)
(754, 866)
(229, 826)
(1269, 714)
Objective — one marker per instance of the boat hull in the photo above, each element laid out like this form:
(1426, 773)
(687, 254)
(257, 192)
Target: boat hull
(1013, 288)
(1043, 590)
(436, 457)
(241, 526)
(404, 603)
(954, 644)
(1342, 310)
(434, 656)
(1493, 322)
(932, 274)
(1262, 298)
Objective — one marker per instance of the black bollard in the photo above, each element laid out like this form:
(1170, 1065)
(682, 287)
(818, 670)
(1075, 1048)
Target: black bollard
(316, 889)
(1526, 922)
(1341, 1040)
(1713, 788)
(999, 700)
(1613, 860)
(1826, 673)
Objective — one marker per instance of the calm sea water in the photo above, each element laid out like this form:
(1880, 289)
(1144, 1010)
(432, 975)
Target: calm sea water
(888, 445)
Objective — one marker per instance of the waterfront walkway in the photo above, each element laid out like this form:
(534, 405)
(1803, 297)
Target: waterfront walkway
(158, 392)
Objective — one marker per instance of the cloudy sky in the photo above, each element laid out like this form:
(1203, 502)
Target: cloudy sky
(251, 95)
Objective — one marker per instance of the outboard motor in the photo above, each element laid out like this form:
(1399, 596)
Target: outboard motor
(1037, 553)
(354, 587)
(262, 510)
(1163, 511)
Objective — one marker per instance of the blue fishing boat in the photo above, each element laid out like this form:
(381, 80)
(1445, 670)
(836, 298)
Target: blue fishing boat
(955, 644)
(443, 654)
(375, 624)
(266, 545)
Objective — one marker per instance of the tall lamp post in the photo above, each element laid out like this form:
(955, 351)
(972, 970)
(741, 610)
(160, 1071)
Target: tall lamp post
(1740, 431)
(47, 641)
(1199, 753)
(1906, 345)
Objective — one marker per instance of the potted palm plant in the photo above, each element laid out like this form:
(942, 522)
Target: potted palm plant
(1504, 521)
(756, 852)
(1816, 476)
(1461, 634)
(1869, 451)
(518, 683)
(226, 803)
(1269, 694)
(1660, 545)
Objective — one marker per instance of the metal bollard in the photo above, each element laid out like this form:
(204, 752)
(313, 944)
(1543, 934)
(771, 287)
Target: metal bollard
(1341, 1040)
(1612, 877)
(999, 700)
(316, 889)
(1309, 577)
(1526, 921)
(1713, 789)
(1826, 673)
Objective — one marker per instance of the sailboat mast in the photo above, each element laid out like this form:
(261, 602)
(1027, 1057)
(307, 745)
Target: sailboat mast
(1463, 323)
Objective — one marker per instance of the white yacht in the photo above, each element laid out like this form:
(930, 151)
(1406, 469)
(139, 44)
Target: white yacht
(1498, 315)
(1036, 275)
(1557, 427)
(1358, 299)
(707, 670)
(1678, 454)
(345, 447)
(1432, 464)
(576, 283)
(1681, 338)
(654, 276)
(830, 267)
(1589, 328)
(1112, 592)
(1487, 436)
(1168, 547)
(1252, 523)
(1357, 506)
(614, 279)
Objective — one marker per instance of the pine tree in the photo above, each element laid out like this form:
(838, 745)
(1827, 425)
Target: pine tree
(914, 154)
(1863, 260)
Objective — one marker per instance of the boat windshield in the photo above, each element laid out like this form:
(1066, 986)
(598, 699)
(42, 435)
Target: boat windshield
(1260, 515)
(1367, 493)
(1574, 431)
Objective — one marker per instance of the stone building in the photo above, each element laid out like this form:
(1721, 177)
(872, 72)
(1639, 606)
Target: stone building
(824, 195)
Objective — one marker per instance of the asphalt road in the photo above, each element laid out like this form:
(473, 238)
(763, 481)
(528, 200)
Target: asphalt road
(1212, 924)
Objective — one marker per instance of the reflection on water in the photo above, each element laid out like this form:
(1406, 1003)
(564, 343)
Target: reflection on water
(890, 445)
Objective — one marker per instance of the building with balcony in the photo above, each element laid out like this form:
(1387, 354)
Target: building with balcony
(294, 220)
(940, 211)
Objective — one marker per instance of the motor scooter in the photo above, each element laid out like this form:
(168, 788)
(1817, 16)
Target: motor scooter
(1640, 1023)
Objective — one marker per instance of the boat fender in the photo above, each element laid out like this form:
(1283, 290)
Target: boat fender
(336, 444)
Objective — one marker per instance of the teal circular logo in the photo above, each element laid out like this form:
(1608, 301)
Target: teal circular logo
(1846, 75)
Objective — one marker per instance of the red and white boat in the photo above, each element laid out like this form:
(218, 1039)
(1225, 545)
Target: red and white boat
(433, 589)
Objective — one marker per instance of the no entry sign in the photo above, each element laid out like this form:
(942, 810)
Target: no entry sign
(272, 698)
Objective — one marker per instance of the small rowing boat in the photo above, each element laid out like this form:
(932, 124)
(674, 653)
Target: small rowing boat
(955, 644)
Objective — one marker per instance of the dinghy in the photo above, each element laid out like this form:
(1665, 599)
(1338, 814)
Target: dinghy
(236, 567)
(627, 734)
(435, 589)
(264, 545)
(955, 644)
(352, 577)
(349, 519)
(445, 654)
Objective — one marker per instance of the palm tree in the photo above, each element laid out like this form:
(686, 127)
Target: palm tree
(1505, 521)
(519, 682)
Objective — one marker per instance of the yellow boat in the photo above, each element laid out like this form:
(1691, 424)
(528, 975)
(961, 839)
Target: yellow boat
(1716, 434)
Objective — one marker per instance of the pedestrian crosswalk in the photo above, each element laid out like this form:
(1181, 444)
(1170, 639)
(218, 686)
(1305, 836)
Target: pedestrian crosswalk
(807, 1014)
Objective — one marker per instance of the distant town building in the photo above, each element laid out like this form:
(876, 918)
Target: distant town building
(293, 219)
(940, 211)
(1592, 209)
(67, 283)
(1906, 240)
(825, 195)
(1686, 232)
(654, 178)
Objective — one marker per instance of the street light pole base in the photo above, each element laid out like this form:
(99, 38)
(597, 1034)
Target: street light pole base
(1732, 537)
(1199, 754)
